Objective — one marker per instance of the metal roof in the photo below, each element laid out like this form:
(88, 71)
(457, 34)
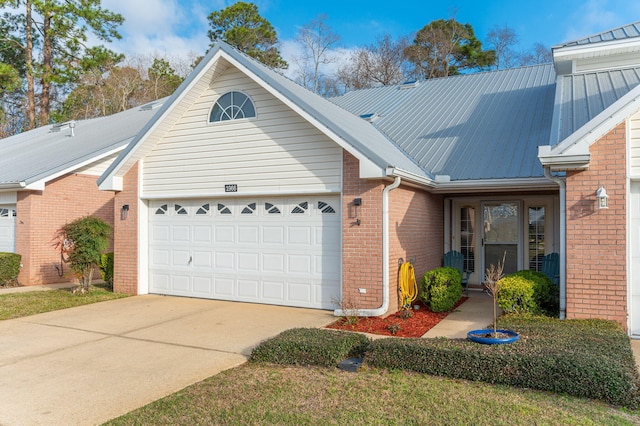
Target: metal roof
(621, 33)
(478, 126)
(582, 96)
(40, 153)
(355, 132)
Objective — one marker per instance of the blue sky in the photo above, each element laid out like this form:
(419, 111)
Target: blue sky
(177, 27)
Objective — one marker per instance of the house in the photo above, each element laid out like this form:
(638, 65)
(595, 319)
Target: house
(247, 187)
(48, 178)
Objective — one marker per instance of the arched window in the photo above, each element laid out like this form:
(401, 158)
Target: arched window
(232, 106)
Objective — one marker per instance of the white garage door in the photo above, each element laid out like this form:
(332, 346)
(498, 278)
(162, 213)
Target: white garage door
(634, 270)
(7, 228)
(270, 250)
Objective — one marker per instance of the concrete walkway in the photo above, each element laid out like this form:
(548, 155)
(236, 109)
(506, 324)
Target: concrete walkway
(86, 365)
(475, 313)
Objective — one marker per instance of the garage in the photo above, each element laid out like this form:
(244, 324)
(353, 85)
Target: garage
(7, 228)
(272, 250)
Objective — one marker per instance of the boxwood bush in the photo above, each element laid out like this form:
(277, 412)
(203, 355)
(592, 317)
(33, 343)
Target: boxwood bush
(528, 292)
(590, 359)
(441, 288)
(9, 268)
(310, 346)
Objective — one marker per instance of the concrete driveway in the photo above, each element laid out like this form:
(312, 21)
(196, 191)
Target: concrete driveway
(86, 365)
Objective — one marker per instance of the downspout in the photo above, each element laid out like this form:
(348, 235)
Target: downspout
(563, 239)
(385, 258)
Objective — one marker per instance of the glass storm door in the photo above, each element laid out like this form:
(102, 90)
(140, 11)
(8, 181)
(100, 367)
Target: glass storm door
(501, 234)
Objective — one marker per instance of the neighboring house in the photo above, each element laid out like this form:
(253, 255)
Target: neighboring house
(245, 186)
(48, 178)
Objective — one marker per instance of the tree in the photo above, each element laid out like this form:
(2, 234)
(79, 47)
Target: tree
(83, 241)
(241, 26)
(53, 34)
(447, 47)
(316, 39)
(539, 54)
(503, 39)
(162, 79)
(379, 64)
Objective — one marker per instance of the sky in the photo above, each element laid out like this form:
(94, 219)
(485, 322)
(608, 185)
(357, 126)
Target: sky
(178, 28)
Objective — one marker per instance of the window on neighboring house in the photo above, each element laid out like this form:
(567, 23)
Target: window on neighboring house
(232, 106)
(536, 237)
(467, 237)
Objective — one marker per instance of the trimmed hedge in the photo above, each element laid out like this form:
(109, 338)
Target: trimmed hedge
(528, 292)
(310, 346)
(106, 269)
(9, 267)
(590, 359)
(441, 288)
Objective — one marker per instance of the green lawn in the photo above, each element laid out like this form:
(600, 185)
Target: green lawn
(16, 305)
(271, 394)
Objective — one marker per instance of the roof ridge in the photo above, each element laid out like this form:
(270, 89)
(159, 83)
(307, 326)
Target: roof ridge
(587, 39)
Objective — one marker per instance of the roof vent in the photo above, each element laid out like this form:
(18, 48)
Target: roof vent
(369, 117)
(409, 84)
(58, 127)
(150, 106)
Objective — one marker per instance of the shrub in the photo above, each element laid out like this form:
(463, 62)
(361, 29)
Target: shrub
(310, 346)
(441, 288)
(84, 240)
(9, 268)
(106, 269)
(528, 292)
(590, 359)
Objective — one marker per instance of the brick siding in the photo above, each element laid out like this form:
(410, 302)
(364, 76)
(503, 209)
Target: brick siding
(596, 239)
(125, 279)
(415, 231)
(41, 213)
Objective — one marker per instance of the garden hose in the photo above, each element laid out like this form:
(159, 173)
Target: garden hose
(408, 285)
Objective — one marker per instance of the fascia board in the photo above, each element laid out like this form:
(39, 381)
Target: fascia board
(589, 50)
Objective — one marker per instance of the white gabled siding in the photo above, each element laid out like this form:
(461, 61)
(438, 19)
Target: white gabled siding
(634, 142)
(607, 62)
(97, 168)
(276, 152)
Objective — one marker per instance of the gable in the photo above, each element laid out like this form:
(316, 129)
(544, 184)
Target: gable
(275, 152)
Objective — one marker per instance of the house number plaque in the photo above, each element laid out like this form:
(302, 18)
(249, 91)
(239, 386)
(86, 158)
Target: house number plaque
(231, 188)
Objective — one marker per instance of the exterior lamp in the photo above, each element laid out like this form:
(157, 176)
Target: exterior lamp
(602, 198)
(124, 212)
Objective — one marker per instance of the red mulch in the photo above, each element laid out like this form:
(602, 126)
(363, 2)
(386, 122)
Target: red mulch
(421, 322)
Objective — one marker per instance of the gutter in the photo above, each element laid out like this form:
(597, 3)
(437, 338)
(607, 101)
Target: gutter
(385, 258)
(563, 240)
(13, 185)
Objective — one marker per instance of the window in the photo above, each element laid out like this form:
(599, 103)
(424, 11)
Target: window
(222, 209)
(232, 106)
(249, 209)
(467, 241)
(162, 209)
(179, 209)
(300, 208)
(271, 209)
(325, 208)
(203, 209)
(536, 238)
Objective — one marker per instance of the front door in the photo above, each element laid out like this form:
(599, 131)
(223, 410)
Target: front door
(501, 235)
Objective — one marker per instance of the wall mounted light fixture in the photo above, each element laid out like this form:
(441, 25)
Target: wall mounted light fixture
(124, 212)
(357, 202)
(602, 199)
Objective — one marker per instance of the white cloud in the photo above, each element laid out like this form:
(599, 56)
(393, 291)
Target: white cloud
(594, 16)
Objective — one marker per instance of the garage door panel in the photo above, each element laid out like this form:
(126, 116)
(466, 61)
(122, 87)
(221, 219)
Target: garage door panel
(248, 262)
(279, 251)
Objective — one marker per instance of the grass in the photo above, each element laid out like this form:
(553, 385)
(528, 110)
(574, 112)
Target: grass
(16, 305)
(271, 394)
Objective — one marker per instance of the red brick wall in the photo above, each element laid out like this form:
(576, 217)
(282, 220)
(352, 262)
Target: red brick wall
(596, 239)
(415, 230)
(361, 244)
(41, 213)
(416, 234)
(125, 278)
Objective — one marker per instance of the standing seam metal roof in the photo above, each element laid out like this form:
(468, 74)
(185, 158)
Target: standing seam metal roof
(36, 154)
(478, 126)
(621, 33)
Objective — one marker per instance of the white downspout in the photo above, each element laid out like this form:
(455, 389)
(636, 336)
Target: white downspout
(385, 258)
(563, 240)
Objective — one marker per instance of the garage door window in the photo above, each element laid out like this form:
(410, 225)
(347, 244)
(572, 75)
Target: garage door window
(271, 209)
(162, 209)
(301, 208)
(249, 209)
(179, 209)
(203, 209)
(325, 208)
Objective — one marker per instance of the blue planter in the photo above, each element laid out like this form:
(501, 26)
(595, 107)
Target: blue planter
(480, 336)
